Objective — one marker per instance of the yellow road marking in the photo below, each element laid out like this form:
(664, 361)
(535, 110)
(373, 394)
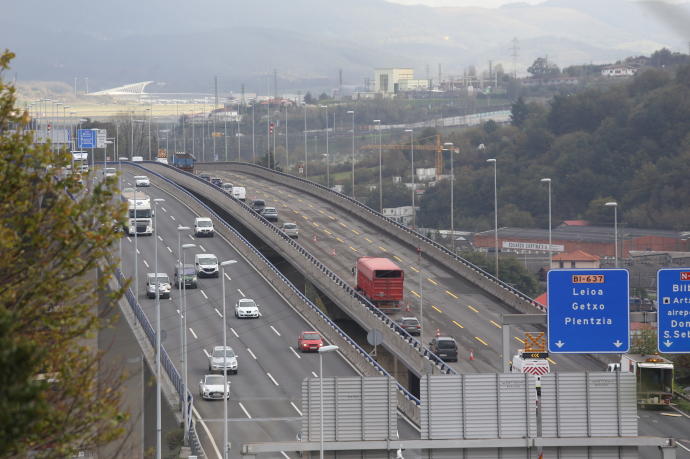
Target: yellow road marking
(437, 309)
(452, 294)
(353, 249)
(432, 281)
(300, 199)
(495, 324)
(355, 231)
(331, 217)
(458, 324)
(382, 248)
(295, 211)
(473, 308)
(339, 240)
(481, 340)
(315, 224)
(414, 269)
(551, 360)
(414, 293)
(311, 206)
(305, 217)
(521, 340)
(321, 211)
(342, 224)
(368, 240)
(397, 258)
(326, 231)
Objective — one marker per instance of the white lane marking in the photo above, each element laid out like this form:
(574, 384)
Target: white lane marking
(203, 293)
(169, 249)
(138, 252)
(172, 217)
(274, 330)
(296, 409)
(193, 334)
(240, 292)
(272, 379)
(147, 265)
(235, 333)
(178, 312)
(206, 352)
(202, 248)
(129, 239)
(163, 209)
(682, 446)
(226, 275)
(191, 237)
(245, 410)
(251, 353)
(218, 312)
(208, 433)
(285, 455)
(315, 375)
(160, 238)
(295, 352)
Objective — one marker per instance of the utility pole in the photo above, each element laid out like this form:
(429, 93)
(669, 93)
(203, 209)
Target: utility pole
(215, 91)
(514, 54)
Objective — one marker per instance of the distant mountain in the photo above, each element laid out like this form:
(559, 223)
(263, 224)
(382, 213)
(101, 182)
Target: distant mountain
(185, 43)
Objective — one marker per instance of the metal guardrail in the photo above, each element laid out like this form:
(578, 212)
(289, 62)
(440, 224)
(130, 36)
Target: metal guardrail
(499, 283)
(289, 284)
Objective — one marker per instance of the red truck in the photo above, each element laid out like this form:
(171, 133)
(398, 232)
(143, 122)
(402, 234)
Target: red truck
(381, 281)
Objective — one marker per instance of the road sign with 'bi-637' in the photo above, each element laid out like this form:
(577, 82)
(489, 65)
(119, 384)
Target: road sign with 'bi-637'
(673, 287)
(588, 311)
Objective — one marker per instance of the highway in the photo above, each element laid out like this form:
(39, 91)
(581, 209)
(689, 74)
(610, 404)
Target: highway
(266, 392)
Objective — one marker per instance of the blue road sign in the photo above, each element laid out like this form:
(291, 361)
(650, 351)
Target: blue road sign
(588, 311)
(673, 295)
(86, 138)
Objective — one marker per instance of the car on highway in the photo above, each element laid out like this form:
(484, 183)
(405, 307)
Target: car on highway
(189, 278)
(222, 358)
(203, 226)
(410, 324)
(163, 285)
(205, 177)
(206, 265)
(258, 205)
(309, 341)
(109, 172)
(270, 214)
(141, 180)
(214, 387)
(445, 347)
(239, 192)
(137, 159)
(227, 187)
(247, 308)
(84, 169)
(290, 229)
(217, 181)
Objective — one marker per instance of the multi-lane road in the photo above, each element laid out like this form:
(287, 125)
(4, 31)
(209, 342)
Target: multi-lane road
(265, 394)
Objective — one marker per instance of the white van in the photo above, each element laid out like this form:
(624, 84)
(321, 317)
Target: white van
(137, 159)
(203, 226)
(238, 192)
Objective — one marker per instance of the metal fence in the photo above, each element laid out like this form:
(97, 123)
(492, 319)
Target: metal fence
(408, 395)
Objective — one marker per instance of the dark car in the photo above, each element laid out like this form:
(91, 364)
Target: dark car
(189, 278)
(258, 205)
(410, 324)
(445, 347)
(217, 181)
(205, 177)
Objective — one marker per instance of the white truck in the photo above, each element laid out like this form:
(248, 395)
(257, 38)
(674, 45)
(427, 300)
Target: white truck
(523, 362)
(140, 214)
(654, 377)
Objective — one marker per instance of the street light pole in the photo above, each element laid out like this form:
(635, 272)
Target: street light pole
(239, 134)
(352, 112)
(159, 443)
(548, 182)
(328, 175)
(287, 155)
(614, 204)
(225, 361)
(184, 349)
(378, 122)
(150, 116)
(306, 159)
(180, 286)
(322, 350)
(449, 147)
(253, 143)
(414, 211)
(493, 160)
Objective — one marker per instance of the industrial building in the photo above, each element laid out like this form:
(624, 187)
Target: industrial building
(389, 81)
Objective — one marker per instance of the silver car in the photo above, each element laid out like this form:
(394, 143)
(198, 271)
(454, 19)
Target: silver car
(290, 229)
(213, 387)
(217, 362)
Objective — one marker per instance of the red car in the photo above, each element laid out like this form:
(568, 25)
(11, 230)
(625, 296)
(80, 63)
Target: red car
(309, 341)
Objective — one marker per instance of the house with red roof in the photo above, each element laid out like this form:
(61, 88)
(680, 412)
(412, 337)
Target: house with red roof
(579, 259)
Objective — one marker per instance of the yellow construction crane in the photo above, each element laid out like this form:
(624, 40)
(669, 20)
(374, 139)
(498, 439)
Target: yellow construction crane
(437, 147)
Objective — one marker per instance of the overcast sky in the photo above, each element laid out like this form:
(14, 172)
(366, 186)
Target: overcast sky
(482, 3)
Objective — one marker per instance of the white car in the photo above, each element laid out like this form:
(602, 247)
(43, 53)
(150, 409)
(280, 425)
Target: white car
(227, 187)
(206, 265)
(141, 180)
(213, 387)
(247, 308)
(239, 192)
(164, 286)
(109, 172)
(216, 362)
(203, 226)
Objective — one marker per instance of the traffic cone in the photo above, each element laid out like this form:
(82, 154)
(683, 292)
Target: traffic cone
(333, 251)
(438, 332)
(471, 354)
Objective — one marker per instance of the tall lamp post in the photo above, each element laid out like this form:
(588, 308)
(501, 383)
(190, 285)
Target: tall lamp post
(614, 204)
(322, 350)
(185, 390)
(159, 443)
(449, 147)
(493, 160)
(414, 211)
(225, 360)
(327, 155)
(548, 182)
(378, 123)
(180, 286)
(352, 112)
(306, 159)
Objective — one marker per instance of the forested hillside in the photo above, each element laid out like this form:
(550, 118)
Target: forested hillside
(630, 143)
